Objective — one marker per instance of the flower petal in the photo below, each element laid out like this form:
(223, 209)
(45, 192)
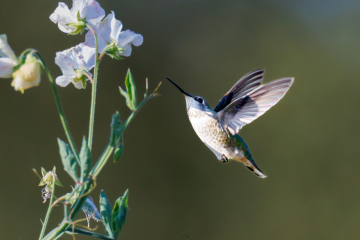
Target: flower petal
(129, 36)
(93, 12)
(21, 85)
(127, 50)
(102, 30)
(126, 38)
(6, 67)
(62, 16)
(116, 27)
(5, 49)
(86, 55)
(63, 81)
(78, 84)
(62, 60)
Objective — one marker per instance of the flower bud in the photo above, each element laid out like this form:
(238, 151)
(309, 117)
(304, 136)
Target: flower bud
(48, 180)
(28, 74)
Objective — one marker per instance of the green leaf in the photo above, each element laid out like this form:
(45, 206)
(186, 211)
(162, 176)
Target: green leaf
(57, 181)
(118, 148)
(119, 213)
(127, 98)
(130, 87)
(105, 211)
(85, 160)
(115, 128)
(130, 94)
(43, 171)
(68, 159)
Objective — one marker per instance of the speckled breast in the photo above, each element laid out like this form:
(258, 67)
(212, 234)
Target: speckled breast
(208, 128)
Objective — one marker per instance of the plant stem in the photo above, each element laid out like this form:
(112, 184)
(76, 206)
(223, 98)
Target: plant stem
(93, 93)
(102, 161)
(72, 213)
(59, 107)
(88, 233)
(107, 152)
(48, 212)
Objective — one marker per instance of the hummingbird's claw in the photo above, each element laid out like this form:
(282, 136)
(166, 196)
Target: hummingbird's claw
(224, 159)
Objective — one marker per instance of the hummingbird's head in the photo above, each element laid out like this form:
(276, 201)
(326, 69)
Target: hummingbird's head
(193, 101)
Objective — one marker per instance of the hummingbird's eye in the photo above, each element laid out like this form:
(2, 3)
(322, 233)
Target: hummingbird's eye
(199, 100)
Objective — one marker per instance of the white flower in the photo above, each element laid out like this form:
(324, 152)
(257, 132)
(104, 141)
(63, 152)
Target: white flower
(8, 60)
(28, 75)
(111, 39)
(75, 64)
(127, 38)
(74, 21)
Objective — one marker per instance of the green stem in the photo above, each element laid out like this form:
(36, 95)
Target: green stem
(48, 212)
(59, 107)
(132, 115)
(102, 161)
(88, 233)
(74, 210)
(93, 92)
(107, 152)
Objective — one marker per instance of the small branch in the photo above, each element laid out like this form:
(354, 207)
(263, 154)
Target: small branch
(59, 107)
(88, 233)
(89, 77)
(48, 212)
(109, 149)
(101, 55)
(93, 92)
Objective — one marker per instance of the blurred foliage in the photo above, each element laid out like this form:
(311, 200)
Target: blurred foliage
(306, 144)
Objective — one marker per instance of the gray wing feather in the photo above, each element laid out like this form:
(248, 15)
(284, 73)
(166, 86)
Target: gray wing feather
(254, 104)
(246, 84)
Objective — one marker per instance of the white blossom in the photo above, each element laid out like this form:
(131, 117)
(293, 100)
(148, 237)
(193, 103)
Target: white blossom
(74, 21)
(8, 60)
(28, 75)
(111, 39)
(75, 64)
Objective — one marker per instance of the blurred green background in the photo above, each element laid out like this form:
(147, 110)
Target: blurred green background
(307, 144)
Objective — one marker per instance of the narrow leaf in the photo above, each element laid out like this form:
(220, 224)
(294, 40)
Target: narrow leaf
(68, 159)
(119, 147)
(105, 211)
(85, 160)
(119, 213)
(127, 98)
(115, 128)
(57, 181)
(43, 171)
(131, 89)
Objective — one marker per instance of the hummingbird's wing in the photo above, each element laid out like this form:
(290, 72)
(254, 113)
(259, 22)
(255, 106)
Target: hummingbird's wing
(254, 104)
(245, 85)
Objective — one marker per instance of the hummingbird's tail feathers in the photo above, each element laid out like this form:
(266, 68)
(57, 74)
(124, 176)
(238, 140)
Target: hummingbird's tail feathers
(252, 167)
(248, 108)
(246, 84)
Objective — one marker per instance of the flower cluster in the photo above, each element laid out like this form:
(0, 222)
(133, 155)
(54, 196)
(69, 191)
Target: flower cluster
(77, 62)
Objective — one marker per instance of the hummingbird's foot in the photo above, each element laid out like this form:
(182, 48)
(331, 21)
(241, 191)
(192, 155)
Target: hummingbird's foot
(224, 159)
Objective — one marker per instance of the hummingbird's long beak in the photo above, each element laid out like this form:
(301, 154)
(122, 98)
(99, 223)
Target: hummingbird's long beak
(179, 88)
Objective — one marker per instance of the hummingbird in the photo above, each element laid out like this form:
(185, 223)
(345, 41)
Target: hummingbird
(247, 100)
